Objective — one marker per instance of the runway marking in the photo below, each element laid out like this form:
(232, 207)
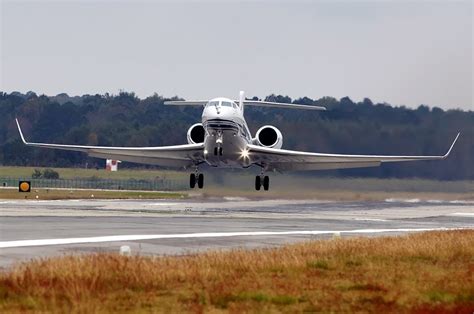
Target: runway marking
(461, 202)
(402, 200)
(119, 238)
(462, 214)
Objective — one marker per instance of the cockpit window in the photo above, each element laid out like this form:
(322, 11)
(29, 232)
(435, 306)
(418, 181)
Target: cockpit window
(212, 103)
(226, 104)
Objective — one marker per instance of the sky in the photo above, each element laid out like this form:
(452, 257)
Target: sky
(400, 52)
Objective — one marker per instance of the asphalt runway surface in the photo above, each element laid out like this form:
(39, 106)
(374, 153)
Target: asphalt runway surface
(31, 229)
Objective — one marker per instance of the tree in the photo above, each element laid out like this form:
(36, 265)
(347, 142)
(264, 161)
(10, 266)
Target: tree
(346, 127)
(50, 174)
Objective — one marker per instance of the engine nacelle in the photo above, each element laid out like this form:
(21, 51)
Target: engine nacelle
(196, 134)
(269, 136)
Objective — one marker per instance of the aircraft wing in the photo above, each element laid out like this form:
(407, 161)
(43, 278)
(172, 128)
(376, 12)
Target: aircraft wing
(290, 160)
(168, 156)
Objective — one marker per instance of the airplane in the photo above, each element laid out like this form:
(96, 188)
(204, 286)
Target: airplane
(223, 140)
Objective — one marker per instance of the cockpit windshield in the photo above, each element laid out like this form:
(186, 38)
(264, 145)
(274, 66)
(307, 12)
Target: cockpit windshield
(221, 103)
(212, 103)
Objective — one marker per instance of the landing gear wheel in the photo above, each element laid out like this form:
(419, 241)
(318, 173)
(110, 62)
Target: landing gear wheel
(258, 183)
(192, 180)
(200, 180)
(215, 151)
(266, 183)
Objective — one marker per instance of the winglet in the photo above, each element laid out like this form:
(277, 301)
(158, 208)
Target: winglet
(452, 145)
(21, 133)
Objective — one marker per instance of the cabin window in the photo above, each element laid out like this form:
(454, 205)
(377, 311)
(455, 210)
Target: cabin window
(226, 104)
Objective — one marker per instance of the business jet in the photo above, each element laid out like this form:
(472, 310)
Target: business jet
(223, 140)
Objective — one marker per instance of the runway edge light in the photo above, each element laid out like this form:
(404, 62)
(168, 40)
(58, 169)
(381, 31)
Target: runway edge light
(24, 186)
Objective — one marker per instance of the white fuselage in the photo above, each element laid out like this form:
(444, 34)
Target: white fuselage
(226, 134)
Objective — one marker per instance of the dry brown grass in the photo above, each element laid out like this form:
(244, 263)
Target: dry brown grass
(429, 272)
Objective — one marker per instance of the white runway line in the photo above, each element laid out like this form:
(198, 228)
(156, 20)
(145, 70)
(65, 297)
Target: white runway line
(119, 238)
(463, 214)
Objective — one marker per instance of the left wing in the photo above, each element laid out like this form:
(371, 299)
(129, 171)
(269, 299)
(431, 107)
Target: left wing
(168, 156)
(287, 160)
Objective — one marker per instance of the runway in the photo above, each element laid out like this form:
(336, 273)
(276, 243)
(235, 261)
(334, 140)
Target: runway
(31, 229)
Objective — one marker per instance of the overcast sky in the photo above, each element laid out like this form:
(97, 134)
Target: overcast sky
(400, 52)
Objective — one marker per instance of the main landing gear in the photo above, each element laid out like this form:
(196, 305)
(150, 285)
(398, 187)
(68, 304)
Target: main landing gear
(262, 180)
(196, 178)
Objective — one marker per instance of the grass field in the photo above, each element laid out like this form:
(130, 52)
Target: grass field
(55, 194)
(289, 186)
(428, 272)
(72, 173)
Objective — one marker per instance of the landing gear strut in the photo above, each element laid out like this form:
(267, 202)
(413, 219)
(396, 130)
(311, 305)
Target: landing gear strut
(262, 180)
(196, 178)
(219, 140)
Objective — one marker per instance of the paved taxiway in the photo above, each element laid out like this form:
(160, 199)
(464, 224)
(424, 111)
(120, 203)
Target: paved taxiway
(43, 228)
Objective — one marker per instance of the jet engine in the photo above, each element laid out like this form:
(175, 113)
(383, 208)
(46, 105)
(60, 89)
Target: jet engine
(269, 136)
(196, 134)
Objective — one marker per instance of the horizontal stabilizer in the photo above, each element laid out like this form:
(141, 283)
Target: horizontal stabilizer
(186, 102)
(281, 105)
(245, 103)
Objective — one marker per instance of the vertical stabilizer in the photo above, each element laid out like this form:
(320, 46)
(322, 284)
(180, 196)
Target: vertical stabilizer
(241, 100)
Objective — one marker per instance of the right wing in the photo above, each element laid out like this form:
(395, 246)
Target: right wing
(168, 156)
(290, 160)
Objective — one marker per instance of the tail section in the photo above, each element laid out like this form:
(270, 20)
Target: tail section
(241, 100)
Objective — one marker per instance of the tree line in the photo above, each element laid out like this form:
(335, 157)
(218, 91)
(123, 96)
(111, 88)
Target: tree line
(347, 127)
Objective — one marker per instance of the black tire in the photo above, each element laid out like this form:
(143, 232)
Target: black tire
(200, 180)
(215, 151)
(258, 183)
(192, 180)
(266, 183)
(220, 151)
